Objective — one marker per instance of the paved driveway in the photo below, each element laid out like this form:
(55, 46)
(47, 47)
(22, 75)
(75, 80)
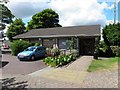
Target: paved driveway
(11, 65)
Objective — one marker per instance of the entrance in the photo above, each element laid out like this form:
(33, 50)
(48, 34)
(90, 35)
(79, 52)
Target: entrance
(86, 46)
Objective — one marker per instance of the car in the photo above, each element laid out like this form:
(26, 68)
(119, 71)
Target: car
(32, 52)
(5, 46)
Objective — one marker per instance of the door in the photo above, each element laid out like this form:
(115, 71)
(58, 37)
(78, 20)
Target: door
(86, 46)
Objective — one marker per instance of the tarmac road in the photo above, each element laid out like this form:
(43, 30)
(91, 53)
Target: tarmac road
(11, 65)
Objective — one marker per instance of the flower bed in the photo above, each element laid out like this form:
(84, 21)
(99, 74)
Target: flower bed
(59, 60)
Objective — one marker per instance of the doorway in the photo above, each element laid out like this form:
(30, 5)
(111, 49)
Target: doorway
(86, 46)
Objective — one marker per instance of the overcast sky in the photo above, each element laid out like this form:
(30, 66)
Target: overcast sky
(71, 12)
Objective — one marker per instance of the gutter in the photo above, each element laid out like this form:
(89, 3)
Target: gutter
(56, 36)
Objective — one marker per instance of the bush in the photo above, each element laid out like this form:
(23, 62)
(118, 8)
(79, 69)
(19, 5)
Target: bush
(37, 44)
(102, 46)
(52, 52)
(107, 53)
(55, 51)
(48, 52)
(18, 46)
(115, 50)
(75, 53)
(104, 50)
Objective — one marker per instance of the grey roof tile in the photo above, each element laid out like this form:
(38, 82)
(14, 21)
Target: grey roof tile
(86, 30)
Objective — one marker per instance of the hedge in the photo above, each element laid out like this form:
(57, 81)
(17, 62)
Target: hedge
(18, 46)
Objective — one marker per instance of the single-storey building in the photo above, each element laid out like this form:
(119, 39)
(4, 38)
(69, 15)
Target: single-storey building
(87, 36)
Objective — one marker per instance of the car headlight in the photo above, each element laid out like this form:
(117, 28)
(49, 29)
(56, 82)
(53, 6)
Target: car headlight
(26, 55)
(23, 55)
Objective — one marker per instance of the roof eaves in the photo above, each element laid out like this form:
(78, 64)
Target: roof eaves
(53, 36)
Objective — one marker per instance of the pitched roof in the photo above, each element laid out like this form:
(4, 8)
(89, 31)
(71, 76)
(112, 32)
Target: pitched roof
(87, 30)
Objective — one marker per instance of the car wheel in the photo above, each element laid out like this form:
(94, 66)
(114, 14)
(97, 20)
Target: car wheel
(32, 57)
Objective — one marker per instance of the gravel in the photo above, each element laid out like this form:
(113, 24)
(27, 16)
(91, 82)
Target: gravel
(101, 79)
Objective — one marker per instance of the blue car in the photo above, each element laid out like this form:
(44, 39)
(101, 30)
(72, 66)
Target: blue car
(31, 53)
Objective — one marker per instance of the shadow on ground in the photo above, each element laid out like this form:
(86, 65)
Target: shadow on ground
(37, 59)
(4, 63)
(11, 83)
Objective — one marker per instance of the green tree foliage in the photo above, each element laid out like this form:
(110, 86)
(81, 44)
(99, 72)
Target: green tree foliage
(5, 17)
(45, 19)
(111, 34)
(16, 28)
(18, 46)
(4, 1)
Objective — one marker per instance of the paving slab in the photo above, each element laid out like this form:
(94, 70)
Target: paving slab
(74, 73)
(81, 64)
(66, 75)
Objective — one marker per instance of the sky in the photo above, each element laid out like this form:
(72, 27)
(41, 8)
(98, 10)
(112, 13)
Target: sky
(71, 12)
(119, 12)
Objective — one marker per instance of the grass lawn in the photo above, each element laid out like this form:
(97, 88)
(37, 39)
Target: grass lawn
(103, 64)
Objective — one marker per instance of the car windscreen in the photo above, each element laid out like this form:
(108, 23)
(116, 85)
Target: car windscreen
(30, 49)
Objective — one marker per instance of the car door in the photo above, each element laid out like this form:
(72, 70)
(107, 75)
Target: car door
(39, 52)
(42, 51)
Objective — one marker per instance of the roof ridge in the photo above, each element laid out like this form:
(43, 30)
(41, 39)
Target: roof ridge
(66, 27)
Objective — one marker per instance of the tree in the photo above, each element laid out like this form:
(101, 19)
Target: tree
(45, 19)
(111, 34)
(4, 1)
(16, 28)
(6, 16)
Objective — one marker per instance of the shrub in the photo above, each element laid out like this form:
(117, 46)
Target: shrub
(103, 46)
(37, 44)
(52, 52)
(32, 43)
(115, 50)
(18, 46)
(75, 53)
(48, 52)
(104, 50)
(55, 51)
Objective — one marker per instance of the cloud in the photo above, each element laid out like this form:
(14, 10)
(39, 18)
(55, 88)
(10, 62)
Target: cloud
(107, 0)
(110, 22)
(104, 5)
(79, 12)
(71, 12)
(26, 8)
